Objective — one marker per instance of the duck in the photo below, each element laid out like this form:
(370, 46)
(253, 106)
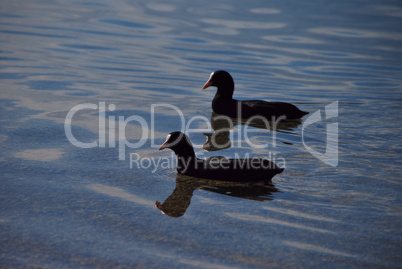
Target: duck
(224, 104)
(218, 167)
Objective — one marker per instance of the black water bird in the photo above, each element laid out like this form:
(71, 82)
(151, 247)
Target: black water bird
(223, 102)
(218, 168)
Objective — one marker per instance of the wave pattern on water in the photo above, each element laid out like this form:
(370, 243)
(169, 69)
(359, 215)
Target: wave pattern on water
(70, 207)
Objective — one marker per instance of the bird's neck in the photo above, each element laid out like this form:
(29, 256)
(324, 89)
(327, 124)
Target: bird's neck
(186, 155)
(223, 103)
(186, 159)
(225, 92)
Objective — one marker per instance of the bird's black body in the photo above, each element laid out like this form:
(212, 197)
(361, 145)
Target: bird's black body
(223, 102)
(218, 168)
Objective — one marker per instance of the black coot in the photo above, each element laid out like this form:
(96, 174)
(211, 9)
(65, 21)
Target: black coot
(223, 102)
(218, 168)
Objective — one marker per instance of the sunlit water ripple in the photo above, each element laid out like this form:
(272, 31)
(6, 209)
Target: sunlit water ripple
(64, 206)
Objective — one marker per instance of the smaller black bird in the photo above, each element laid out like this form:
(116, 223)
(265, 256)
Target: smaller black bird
(218, 168)
(223, 102)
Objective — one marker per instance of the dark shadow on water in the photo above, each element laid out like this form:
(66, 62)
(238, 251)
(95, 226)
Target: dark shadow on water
(222, 125)
(178, 202)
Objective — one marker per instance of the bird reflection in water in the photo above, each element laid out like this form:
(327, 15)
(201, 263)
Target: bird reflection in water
(222, 125)
(178, 202)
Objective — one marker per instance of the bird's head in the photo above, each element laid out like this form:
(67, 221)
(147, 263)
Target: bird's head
(222, 80)
(179, 143)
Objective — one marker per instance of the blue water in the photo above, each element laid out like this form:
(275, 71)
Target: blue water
(138, 68)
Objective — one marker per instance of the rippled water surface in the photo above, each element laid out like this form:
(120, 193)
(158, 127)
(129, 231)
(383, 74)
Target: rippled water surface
(135, 69)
